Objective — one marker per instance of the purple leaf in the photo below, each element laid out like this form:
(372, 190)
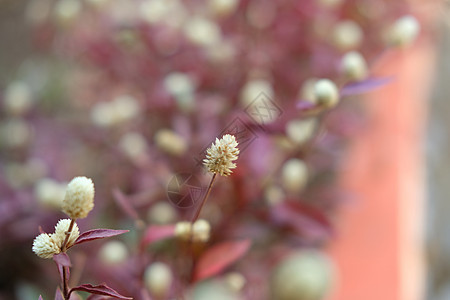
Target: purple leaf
(304, 219)
(101, 289)
(305, 105)
(62, 259)
(40, 297)
(58, 294)
(95, 234)
(220, 256)
(364, 86)
(124, 204)
(155, 233)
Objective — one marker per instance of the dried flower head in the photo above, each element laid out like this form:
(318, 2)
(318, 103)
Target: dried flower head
(220, 156)
(60, 233)
(79, 199)
(45, 246)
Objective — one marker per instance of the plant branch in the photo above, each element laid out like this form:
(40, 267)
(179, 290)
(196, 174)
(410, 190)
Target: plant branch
(68, 232)
(204, 199)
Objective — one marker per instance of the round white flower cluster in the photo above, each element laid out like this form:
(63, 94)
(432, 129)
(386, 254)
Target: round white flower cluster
(220, 156)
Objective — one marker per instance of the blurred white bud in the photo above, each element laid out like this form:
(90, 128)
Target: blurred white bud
(222, 52)
(170, 142)
(326, 93)
(16, 133)
(404, 31)
(133, 145)
(97, 3)
(223, 7)
(66, 11)
(294, 175)
(347, 35)
(235, 281)
(18, 99)
(19, 175)
(201, 231)
(300, 131)
(122, 109)
(161, 213)
(353, 66)
(183, 230)
(79, 198)
(113, 253)
(182, 87)
(307, 90)
(169, 12)
(50, 193)
(202, 32)
(253, 88)
(274, 194)
(304, 275)
(158, 279)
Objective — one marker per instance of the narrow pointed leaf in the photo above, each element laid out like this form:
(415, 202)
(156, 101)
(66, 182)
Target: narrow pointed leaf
(124, 204)
(219, 257)
(155, 233)
(98, 234)
(365, 86)
(58, 294)
(101, 289)
(40, 297)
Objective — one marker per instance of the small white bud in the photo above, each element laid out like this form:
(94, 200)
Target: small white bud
(235, 281)
(404, 31)
(16, 133)
(79, 198)
(307, 90)
(201, 231)
(223, 8)
(161, 213)
(294, 175)
(202, 32)
(113, 253)
(170, 142)
(353, 66)
(326, 93)
(50, 193)
(347, 35)
(44, 246)
(253, 88)
(300, 131)
(183, 230)
(18, 99)
(66, 11)
(133, 145)
(303, 275)
(274, 194)
(158, 279)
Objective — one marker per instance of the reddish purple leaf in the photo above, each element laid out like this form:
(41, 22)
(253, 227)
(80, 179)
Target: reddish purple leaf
(304, 219)
(96, 234)
(96, 297)
(220, 256)
(365, 86)
(62, 259)
(101, 289)
(40, 297)
(305, 105)
(155, 233)
(58, 294)
(124, 204)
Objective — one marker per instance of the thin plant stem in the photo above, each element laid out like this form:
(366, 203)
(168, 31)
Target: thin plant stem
(68, 232)
(204, 199)
(65, 282)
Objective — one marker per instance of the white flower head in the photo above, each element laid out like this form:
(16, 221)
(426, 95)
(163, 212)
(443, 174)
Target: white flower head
(220, 156)
(45, 246)
(60, 233)
(79, 199)
(201, 231)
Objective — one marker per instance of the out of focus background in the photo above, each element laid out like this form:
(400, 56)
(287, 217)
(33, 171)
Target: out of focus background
(340, 187)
